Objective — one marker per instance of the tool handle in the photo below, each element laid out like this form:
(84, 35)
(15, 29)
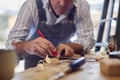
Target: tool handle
(77, 63)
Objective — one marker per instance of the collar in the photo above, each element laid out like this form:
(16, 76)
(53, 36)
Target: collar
(46, 4)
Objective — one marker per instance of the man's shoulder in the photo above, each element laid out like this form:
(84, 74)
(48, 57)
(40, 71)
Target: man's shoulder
(82, 5)
(83, 8)
(30, 2)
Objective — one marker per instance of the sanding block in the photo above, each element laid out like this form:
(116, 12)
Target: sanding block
(110, 67)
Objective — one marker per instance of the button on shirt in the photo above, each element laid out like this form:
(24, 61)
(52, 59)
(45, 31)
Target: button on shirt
(27, 21)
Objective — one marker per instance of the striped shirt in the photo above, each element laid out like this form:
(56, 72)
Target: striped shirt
(27, 21)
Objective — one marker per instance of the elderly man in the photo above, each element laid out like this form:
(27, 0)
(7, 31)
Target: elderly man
(59, 21)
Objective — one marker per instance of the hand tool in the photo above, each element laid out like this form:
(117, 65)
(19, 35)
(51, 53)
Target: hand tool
(73, 66)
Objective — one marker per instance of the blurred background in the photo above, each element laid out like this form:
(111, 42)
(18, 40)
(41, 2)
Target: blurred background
(9, 11)
(8, 14)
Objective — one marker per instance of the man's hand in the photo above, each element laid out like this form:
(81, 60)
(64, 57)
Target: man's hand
(39, 46)
(68, 50)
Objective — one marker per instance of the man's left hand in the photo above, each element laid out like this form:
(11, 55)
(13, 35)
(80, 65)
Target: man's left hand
(68, 51)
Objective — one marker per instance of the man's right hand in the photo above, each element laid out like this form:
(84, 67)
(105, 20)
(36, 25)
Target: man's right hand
(39, 46)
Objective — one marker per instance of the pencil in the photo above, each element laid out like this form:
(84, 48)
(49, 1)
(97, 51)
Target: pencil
(41, 35)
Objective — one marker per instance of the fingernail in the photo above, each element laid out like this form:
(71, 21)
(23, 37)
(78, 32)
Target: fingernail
(54, 49)
(55, 54)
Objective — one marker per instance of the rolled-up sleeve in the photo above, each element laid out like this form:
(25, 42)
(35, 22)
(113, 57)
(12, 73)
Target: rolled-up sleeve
(22, 26)
(85, 29)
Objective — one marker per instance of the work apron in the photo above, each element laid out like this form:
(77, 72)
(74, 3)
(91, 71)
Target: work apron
(57, 33)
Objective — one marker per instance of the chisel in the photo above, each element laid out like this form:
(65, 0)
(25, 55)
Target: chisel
(73, 66)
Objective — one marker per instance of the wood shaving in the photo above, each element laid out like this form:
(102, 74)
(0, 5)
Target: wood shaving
(42, 63)
(47, 60)
(41, 66)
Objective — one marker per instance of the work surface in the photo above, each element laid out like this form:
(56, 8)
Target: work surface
(89, 71)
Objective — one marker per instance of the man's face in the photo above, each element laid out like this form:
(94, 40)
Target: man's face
(61, 6)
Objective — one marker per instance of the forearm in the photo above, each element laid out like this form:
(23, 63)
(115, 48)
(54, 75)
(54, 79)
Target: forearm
(20, 48)
(87, 43)
(39, 46)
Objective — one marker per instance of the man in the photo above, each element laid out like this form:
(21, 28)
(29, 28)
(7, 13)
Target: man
(59, 21)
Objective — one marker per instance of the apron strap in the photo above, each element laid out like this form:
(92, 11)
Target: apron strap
(41, 11)
(72, 13)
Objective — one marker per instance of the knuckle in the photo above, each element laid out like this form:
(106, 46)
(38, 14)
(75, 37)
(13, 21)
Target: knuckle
(48, 43)
(36, 52)
(47, 48)
(61, 44)
(72, 50)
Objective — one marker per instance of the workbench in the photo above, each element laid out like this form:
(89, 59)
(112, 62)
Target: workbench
(89, 71)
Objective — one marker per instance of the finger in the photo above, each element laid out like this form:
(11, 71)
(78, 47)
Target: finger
(61, 51)
(40, 51)
(46, 48)
(38, 54)
(48, 43)
(41, 43)
(69, 52)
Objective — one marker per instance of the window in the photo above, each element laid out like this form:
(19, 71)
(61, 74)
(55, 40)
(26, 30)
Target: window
(8, 13)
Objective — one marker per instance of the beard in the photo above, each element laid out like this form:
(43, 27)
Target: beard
(61, 9)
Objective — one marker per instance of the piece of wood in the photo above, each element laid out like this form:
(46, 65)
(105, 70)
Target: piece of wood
(110, 67)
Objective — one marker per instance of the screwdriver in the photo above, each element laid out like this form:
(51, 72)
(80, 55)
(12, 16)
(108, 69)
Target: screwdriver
(73, 66)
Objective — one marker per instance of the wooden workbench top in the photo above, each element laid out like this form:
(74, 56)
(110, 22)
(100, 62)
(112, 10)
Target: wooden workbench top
(89, 71)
